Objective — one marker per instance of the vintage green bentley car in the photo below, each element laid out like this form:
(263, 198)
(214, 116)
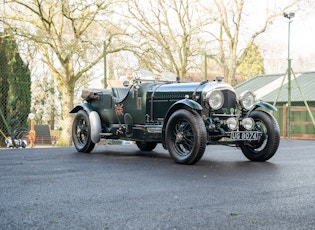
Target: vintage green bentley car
(184, 117)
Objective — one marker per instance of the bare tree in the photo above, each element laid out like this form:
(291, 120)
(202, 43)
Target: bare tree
(166, 32)
(66, 34)
(231, 31)
(171, 34)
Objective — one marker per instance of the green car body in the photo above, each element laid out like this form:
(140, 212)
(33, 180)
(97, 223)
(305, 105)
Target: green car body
(184, 117)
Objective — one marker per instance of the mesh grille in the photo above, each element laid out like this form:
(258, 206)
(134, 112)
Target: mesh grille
(230, 104)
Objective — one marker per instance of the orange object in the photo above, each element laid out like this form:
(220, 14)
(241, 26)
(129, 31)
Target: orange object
(32, 134)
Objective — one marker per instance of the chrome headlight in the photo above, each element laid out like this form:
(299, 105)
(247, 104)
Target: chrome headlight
(248, 123)
(215, 99)
(247, 100)
(232, 123)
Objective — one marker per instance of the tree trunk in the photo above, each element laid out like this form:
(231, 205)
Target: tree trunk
(232, 72)
(68, 94)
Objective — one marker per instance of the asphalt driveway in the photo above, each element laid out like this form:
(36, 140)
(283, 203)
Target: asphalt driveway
(119, 187)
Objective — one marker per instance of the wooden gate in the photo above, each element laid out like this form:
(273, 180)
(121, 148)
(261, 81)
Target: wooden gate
(301, 125)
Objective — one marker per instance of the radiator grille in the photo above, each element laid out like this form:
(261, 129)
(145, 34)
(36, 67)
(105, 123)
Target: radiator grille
(230, 103)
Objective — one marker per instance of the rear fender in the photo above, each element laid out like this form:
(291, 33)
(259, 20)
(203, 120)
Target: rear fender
(96, 126)
(182, 104)
(94, 118)
(86, 107)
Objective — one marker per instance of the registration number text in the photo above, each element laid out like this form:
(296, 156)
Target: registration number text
(244, 135)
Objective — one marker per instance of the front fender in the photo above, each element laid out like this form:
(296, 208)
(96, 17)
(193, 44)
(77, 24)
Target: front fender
(190, 103)
(84, 106)
(184, 103)
(264, 105)
(261, 104)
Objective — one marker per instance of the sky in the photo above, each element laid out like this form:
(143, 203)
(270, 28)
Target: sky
(274, 42)
(302, 38)
(302, 32)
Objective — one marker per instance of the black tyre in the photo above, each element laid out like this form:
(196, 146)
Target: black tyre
(81, 132)
(146, 146)
(267, 144)
(186, 137)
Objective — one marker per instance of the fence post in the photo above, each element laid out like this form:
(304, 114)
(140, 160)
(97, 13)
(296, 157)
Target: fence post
(284, 120)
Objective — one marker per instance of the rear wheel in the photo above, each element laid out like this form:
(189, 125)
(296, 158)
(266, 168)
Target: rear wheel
(81, 132)
(186, 136)
(267, 144)
(146, 146)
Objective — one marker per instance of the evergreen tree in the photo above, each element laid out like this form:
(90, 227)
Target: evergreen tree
(4, 85)
(15, 86)
(20, 92)
(253, 63)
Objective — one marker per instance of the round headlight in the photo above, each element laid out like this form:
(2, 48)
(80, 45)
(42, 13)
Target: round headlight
(248, 123)
(215, 99)
(232, 123)
(247, 100)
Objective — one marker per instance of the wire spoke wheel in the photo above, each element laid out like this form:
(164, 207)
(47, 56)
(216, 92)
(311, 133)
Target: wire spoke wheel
(186, 136)
(183, 138)
(81, 133)
(267, 144)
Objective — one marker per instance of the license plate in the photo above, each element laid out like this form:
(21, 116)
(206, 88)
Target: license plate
(244, 135)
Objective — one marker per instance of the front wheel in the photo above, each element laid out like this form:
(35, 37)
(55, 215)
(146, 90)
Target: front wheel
(186, 136)
(267, 144)
(81, 132)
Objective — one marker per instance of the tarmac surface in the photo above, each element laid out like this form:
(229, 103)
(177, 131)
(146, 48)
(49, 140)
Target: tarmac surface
(119, 187)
